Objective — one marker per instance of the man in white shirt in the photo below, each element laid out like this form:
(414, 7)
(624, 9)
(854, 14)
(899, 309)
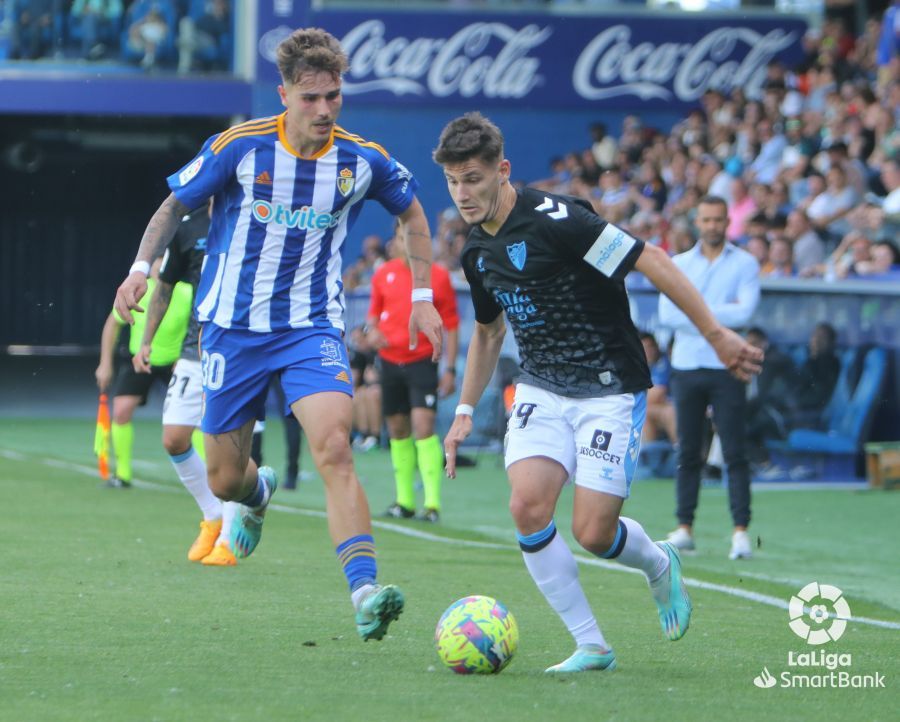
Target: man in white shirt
(728, 279)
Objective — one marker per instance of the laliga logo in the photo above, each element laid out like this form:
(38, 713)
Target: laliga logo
(818, 613)
(609, 66)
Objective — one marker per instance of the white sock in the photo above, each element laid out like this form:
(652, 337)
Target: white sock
(229, 512)
(192, 472)
(555, 572)
(640, 552)
(358, 595)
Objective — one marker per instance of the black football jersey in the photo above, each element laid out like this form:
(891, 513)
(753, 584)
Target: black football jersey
(183, 262)
(557, 269)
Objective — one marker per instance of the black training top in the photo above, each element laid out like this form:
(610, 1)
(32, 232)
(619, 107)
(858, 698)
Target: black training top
(183, 262)
(557, 269)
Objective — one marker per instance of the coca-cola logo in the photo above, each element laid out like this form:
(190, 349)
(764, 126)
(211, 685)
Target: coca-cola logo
(489, 59)
(494, 60)
(610, 66)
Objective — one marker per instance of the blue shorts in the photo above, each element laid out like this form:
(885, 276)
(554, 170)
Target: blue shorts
(238, 366)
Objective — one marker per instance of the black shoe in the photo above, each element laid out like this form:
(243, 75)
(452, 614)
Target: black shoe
(430, 515)
(395, 511)
(116, 483)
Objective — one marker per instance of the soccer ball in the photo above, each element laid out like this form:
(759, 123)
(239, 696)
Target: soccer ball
(476, 635)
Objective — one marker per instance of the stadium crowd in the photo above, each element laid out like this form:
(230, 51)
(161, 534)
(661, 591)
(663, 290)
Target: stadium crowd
(810, 171)
(186, 35)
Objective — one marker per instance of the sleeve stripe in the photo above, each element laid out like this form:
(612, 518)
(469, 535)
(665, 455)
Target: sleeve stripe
(244, 129)
(341, 133)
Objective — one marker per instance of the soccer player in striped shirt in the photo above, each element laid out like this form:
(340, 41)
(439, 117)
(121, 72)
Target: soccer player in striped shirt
(287, 190)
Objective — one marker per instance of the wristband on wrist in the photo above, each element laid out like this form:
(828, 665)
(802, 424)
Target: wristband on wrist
(140, 267)
(465, 410)
(422, 294)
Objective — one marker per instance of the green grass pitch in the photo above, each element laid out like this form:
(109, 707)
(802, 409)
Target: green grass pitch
(103, 618)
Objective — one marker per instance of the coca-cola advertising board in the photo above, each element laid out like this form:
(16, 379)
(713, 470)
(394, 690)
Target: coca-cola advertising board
(544, 61)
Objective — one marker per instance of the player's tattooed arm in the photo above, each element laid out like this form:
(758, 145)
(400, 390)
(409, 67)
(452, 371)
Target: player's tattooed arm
(159, 304)
(160, 231)
(418, 243)
(161, 228)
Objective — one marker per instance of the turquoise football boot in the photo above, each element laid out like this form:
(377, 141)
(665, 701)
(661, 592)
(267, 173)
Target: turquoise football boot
(587, 658)
(247, 527)
(672, 599)
(377, 610)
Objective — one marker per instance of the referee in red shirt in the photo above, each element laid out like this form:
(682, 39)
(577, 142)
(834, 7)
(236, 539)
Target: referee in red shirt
(410, 386)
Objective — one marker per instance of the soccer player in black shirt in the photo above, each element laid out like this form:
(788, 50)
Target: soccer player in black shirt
(182, 408)
(557, 270)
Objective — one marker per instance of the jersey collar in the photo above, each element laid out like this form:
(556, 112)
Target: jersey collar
(282, 137)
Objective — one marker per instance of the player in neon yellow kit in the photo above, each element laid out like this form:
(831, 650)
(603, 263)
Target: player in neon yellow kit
(131, 388)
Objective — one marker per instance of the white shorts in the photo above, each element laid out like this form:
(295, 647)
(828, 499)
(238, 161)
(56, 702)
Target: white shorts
(597, 440)
(184, 399)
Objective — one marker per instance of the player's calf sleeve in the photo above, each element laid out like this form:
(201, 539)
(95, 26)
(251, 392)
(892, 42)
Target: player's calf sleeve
(198, 444)
(633, 548)
(555, 572)
(430, 454)
(123, 443)
(403, 459)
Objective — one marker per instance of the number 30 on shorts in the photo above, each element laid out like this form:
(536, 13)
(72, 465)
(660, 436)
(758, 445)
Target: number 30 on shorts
(212, 367)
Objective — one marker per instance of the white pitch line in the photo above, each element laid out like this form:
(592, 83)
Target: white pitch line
(757, 597)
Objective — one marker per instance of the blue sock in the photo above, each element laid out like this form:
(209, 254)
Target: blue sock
(256, 498)
(357, 557)
(618, 543)
(537, 541)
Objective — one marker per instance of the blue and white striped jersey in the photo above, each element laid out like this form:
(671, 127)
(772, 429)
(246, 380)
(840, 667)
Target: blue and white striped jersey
(273, 254)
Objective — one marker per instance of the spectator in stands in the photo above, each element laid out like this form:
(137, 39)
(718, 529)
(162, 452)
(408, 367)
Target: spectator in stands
(98, 21)
(740, 209)
(614, 203)
(781, 259)
(808, 248)
(202, 41)
(883, 258)
(767, 162)
(367, 419)
(603, 146)
(32, 28)
(147, 34)
(758, 247)
(815, 379)
(768, 397)
(888, 51)
(827, 210)
(373, 255)
(660, 420)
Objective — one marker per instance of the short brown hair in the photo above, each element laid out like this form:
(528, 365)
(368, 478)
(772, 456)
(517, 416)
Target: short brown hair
(310, 50)
(711, 200)
(469, 136)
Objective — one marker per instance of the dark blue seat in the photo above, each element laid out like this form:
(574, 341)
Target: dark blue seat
(846, 419)
(849, 422)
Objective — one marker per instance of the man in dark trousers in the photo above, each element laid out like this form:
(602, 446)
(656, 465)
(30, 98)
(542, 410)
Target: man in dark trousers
(728, 279)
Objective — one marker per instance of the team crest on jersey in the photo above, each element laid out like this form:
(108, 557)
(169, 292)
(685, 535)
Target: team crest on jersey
(345, 182)
(517, 253)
